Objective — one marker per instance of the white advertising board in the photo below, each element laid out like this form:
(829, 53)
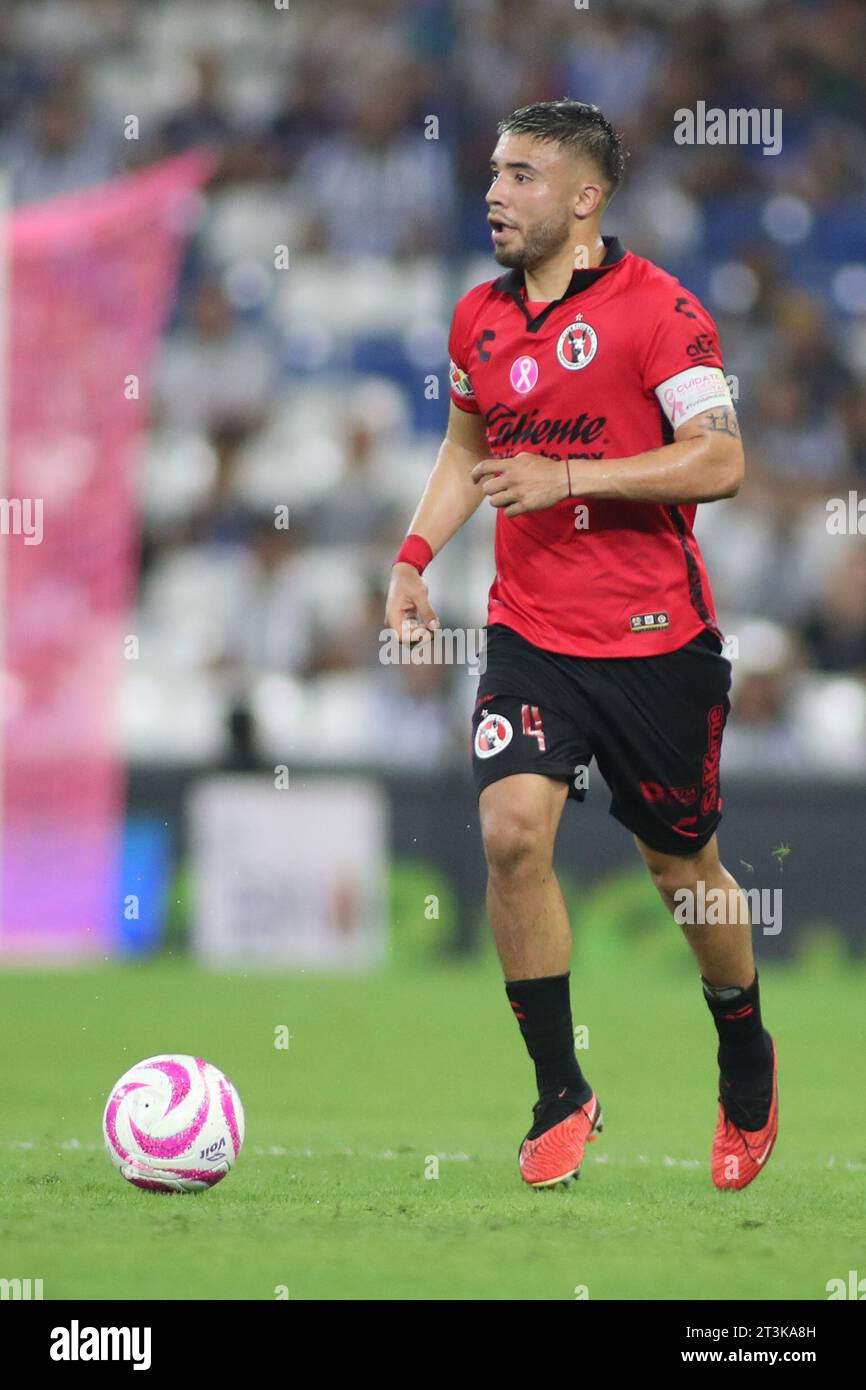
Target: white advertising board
(289, 877)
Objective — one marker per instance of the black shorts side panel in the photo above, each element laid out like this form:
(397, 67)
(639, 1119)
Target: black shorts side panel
(657, 740)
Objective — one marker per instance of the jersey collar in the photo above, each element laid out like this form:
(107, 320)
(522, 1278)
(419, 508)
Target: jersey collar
(512, 282)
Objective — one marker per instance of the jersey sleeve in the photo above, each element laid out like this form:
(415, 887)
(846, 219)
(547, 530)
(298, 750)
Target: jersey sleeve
(682, 361)
(459, 382)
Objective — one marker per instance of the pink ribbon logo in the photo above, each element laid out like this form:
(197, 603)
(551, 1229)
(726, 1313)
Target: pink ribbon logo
(524, 374)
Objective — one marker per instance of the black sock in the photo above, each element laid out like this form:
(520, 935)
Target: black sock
(543, 1010)
(744, 1043)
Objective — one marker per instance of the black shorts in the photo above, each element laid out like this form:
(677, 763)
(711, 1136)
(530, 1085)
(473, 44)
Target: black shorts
(653, 724)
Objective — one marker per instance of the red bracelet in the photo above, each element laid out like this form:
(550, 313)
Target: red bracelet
(414, 551)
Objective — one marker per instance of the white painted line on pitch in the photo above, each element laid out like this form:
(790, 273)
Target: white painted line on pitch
(278, 1151)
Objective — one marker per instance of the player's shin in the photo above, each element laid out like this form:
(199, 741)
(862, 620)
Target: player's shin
(744, 1044)
(542, 1008)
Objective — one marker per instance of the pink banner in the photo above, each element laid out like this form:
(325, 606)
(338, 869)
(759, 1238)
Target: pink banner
(91, 279)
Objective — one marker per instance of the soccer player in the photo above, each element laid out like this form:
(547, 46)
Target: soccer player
(589, 406)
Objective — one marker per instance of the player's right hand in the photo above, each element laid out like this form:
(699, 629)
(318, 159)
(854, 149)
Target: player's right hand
(408, 610)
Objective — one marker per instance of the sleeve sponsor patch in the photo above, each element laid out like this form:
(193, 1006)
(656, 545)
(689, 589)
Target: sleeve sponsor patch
(460, 383)
(688, 393)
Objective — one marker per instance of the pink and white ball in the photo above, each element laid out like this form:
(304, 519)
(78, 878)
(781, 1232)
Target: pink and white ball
(173, 1124)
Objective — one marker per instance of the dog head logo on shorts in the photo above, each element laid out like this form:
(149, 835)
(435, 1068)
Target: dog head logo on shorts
(578, 344)
(492, 735)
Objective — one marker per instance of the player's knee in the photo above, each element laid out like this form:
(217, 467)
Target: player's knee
(670, 872)
(669, 877)
(512, 841)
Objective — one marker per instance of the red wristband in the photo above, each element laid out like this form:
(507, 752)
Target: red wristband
(414, 551)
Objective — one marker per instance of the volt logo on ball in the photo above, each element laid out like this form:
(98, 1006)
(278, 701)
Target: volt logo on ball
(169, 1115)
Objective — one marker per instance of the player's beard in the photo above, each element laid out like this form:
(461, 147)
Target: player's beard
(540, 243)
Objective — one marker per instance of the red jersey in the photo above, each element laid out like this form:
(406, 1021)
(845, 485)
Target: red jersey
(607, 371)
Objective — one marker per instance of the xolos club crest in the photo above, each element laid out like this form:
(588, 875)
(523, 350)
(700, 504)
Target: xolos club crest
(492, 735)
(577, 345)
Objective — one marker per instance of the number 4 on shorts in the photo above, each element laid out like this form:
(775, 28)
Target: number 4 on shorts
(531, 718)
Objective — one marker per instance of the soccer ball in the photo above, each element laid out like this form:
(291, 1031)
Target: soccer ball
(173, 1124)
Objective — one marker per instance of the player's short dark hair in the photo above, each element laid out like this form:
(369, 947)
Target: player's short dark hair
(577, 125)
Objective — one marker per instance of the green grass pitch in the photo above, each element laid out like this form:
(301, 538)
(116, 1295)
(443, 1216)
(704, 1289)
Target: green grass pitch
(333, 1196)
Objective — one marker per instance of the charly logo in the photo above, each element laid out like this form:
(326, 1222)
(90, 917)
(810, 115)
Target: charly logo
(493, 734)
(577, 345)
(524, 374)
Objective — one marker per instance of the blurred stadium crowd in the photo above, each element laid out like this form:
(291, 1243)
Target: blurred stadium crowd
(323, 384)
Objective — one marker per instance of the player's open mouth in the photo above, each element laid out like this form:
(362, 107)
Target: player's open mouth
(499, 228)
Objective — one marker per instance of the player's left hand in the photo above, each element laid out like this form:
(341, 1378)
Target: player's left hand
(524, 483)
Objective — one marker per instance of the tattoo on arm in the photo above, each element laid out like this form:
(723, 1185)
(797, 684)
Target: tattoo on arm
(722, 421)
